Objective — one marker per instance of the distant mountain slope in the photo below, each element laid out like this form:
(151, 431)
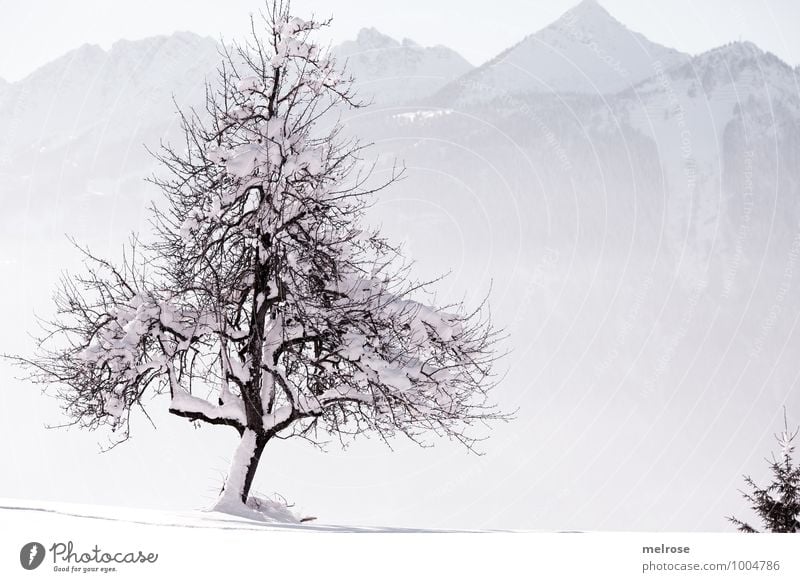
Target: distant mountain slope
(75, 130)
(110, 96)
(73, 136)
(113, 92)
(395, 72)
(664, 160)
(725, 129)
(585, 51)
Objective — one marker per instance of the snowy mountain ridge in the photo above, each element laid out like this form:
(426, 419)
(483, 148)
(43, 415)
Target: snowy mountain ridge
(115, 91)
(118, 91)
(392, 71)
(586, 51)
(742, 64)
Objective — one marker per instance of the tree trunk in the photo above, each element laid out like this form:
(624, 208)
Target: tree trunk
(243, 469)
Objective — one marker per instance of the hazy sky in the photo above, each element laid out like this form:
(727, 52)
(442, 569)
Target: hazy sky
(36, 31)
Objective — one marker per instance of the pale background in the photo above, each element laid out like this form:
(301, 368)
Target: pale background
(642, 395)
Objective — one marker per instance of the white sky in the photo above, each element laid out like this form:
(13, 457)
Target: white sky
(36, 31)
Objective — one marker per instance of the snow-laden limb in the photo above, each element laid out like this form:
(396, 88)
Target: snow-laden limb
(263, 302)
(194, 408)
(277, 417)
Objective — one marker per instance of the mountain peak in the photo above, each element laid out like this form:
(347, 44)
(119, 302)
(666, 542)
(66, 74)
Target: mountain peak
(87, 50)
(588, 19)
(589, 8)
(391, 71)
(81, 58)
(585, 51)
(735, 57)
(179, 36)
(738, 48)
(742, 67)
(372, 38)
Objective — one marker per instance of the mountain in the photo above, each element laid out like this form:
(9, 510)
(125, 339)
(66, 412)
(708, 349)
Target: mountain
(112, 92)
(740, 66)
(77, 127)
(660, 160)
(585, 51)
(725, 126)
(73, 136)
(391, 71)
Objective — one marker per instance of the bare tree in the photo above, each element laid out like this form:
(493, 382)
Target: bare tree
(263, 303)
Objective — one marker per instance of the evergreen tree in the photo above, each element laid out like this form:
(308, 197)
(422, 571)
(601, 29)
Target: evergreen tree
(777, 504)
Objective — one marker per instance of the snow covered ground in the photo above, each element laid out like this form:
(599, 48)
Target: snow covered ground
(113, 543)
(85, 517)
(73, 540)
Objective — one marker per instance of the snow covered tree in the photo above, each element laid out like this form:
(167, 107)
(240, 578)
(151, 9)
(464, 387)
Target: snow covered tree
(777, 504)
(261, 301)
